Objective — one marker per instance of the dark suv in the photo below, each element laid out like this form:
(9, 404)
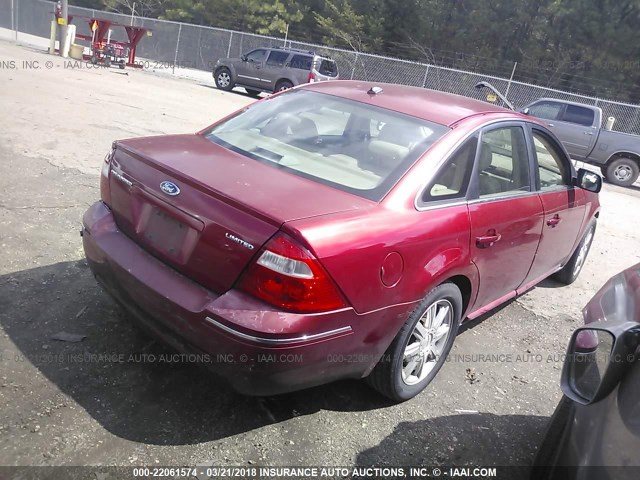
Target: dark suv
(273, 69)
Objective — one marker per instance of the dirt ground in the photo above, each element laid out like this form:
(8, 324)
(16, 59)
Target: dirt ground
(73, 404)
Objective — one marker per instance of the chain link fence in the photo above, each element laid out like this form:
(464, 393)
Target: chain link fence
(177, 45)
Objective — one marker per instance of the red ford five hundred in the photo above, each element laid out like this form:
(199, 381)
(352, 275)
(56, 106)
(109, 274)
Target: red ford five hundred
(336, 230)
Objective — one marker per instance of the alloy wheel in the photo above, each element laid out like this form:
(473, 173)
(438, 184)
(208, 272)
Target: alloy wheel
(582, 254)
(427, 342)
(224, 79)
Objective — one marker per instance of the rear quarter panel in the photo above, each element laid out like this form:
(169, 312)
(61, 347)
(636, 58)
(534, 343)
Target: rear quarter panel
(353, 248)
(610, 143)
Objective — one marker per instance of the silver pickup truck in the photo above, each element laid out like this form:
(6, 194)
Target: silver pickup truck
(579, 128)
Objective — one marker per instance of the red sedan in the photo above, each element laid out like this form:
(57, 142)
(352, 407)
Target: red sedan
(336, 230)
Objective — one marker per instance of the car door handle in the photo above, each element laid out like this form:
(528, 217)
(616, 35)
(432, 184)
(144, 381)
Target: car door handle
(488, 240)
(552, 222)
(588, 133)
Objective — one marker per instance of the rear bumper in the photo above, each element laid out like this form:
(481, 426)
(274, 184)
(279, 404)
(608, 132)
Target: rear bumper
(257, 349)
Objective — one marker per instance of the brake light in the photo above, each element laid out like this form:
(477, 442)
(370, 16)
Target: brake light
(312, 77)
(289, 277)
(105, 192)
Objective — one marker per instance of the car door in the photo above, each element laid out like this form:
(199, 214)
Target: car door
(249, 72)
(563, 204)
(576, 130)
(276, 68)
(505, 214)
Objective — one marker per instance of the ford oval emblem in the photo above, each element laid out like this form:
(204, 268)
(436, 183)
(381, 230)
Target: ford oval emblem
(169, 188)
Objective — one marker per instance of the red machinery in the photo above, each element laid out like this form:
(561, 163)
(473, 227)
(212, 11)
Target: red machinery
(112, 51)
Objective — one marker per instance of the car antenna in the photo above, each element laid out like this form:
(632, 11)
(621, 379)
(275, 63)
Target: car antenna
(480, 85)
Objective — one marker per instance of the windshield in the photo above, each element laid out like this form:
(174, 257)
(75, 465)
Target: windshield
(346, 144)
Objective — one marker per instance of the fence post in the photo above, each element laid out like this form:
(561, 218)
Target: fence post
(353, 70)
(510, 79)
(230, 42)
(424, 80)
(175, 58)
(15, 5)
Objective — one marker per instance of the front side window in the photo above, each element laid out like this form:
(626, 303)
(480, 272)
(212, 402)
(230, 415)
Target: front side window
(552, 169)
(452, 179)
(321, 137)
(546, 110)
(277, 59)
(503, 163)
(256, 56)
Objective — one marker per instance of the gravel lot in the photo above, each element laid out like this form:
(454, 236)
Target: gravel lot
(59, 409)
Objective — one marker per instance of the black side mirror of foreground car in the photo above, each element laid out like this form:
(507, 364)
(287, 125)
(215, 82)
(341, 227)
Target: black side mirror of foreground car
(597, 358)
(589, 180)
(243, 58)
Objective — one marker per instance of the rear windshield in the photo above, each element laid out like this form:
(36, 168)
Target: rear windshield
(328, 68)
(348, 145)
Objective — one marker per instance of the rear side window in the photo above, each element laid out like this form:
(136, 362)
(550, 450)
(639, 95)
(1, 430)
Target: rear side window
(277, 59)
(452, 180)
(580, 115)
(326, 139)
(328, 68)
(301, 62)
(546, 110)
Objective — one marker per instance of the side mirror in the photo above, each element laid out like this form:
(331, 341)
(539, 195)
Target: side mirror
(597, 358)
(525, 111)
(243, 58)
(589, 180)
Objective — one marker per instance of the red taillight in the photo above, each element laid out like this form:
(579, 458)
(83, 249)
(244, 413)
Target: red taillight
(288, 276)
(312, 77)
(105, 192)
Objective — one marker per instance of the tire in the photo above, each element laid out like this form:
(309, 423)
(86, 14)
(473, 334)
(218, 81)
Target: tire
(121, 65)
(253, 93)
(94, 60)
(283, 85)
(572, 269)
(551, 446)
(107, 62)
(400, 373)
(622, 172)
(223, 79)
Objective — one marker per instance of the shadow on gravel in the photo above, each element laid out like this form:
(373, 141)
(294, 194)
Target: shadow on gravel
(237, 91)
(150, 402)
(462, 440)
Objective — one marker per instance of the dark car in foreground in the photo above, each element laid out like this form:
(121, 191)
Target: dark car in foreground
(594, 433)
(337, 230)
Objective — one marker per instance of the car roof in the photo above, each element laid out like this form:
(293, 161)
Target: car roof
(431, 105)
(568, 102)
